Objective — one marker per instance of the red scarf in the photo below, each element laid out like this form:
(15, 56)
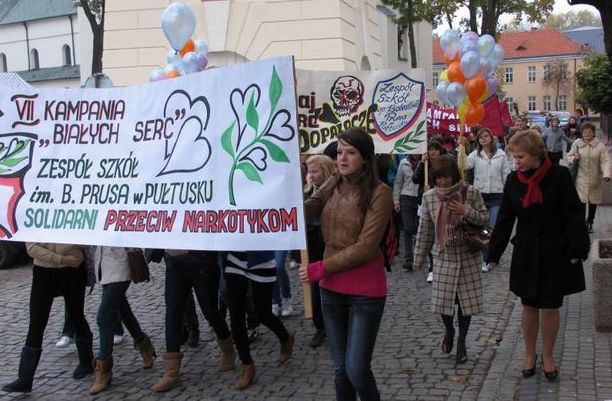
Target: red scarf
(534, 193)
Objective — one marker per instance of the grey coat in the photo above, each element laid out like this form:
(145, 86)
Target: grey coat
(456, 271)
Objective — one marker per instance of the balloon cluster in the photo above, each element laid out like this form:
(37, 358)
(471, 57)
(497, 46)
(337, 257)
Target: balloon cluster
(187, 55)
(470, 74)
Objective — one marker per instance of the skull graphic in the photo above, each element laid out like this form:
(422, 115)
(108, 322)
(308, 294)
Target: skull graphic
(347, 95)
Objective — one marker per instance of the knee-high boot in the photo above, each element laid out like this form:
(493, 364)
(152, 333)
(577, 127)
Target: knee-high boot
(27, 367)
(85, 366)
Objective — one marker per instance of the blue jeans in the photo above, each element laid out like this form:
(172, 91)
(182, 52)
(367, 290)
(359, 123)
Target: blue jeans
(282, 288)
(493, 206)
(115, 307)
(352, 324)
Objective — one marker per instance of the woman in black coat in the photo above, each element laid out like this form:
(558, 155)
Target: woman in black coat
(550, 243)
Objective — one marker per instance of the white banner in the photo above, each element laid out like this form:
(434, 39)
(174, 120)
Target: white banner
(388, 104)
(205, 161)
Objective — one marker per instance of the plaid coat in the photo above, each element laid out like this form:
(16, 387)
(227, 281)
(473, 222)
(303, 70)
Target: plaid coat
(456, 271)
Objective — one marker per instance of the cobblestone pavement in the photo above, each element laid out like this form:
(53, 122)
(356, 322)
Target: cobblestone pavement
(408, 362)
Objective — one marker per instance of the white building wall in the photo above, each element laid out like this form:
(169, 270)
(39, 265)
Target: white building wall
(320, 34)
(13, 45)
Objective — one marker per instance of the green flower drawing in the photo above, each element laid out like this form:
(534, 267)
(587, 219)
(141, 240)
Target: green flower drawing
(247, 141)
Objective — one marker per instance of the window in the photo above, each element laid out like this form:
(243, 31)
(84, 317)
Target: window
(3, 67)
(546, 105)
(544, 71)
(509, 75)
(436, 79)
(531, 103)
(34, 65)
(562, 102)
(531, 73)
(66, 55)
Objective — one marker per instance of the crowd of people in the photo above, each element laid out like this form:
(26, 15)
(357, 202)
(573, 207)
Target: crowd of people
(350, 197)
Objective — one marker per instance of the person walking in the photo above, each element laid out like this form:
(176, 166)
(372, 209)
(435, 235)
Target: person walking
(593, 170)
(113, 273)
(354, 209)
(320, 169)
(457, 278)
(406, 202)
(58, 270)
(186, 270)
(257, 269)
(491, 167)
(550, 242)
(554, 138)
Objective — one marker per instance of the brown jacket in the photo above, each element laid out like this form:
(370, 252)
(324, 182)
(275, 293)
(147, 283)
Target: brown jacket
(50, 255)
(351, 238)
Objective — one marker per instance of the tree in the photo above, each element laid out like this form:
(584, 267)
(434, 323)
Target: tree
(94, 11)
(593, 82)
(571, 20)
(605, 11)
(413, 11)
(557, 77)
(491, 10)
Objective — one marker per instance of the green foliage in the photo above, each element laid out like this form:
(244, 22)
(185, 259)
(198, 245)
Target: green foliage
(250, 172)
(252, 116)
(276, 152)
(594, 81)
(226, 140)
(411, 140)
(571, 20)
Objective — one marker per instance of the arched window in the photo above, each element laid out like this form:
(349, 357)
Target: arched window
(34, 64)
(67, 55)
(3, 67)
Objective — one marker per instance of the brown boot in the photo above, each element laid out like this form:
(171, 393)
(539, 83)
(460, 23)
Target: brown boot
(172, 364)
(103, 376)
(246, 378)
(228, 356)
(147, 351)
(286, 349)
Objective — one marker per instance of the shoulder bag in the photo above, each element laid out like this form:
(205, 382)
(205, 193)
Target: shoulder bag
(139, 269)
(476, 238)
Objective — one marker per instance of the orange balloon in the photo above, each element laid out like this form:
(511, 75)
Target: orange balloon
(475, 113)
(454, 72)
(475, 87)
(448, 61)
(188, 47)
(172, 74)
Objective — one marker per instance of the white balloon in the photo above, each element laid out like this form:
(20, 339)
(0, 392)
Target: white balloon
(468, 46)
(178, 24)
(441, 92)
(497, 56)
(157, 74)
(191, 62)
(201, 46)
(172, 56)
(486, 43)
(176, 66)
(449, 42)
(485, 67)
(470, 64)
(455, 92)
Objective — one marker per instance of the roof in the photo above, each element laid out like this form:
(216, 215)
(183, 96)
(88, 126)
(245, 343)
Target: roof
(527, 44)
(589, 35)
(12, 80)
(15, 11)
(48, 74)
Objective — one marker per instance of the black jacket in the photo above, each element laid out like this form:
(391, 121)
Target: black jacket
(547, 237)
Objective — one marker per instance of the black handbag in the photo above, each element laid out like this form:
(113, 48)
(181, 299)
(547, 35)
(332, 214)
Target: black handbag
(139, 269)
(476, 238)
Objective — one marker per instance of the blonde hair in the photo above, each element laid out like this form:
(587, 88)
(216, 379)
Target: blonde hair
(529, 141)
(327, 165)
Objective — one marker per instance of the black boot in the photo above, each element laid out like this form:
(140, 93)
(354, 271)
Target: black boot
(85, 366)
(27, 367)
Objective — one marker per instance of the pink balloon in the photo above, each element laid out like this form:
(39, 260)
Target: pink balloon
(492, 85)
(202, 61)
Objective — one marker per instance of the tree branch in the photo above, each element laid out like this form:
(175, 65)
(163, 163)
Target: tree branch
(90, 16)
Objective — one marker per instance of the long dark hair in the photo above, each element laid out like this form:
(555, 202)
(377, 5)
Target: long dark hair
(367, 178)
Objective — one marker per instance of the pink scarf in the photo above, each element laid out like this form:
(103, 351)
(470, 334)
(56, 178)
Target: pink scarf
(446, 220)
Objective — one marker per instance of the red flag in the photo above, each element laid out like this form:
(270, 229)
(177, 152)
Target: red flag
(505, 114)
(493, 119)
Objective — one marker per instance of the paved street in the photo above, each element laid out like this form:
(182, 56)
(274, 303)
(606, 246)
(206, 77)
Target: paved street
(408, 362)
